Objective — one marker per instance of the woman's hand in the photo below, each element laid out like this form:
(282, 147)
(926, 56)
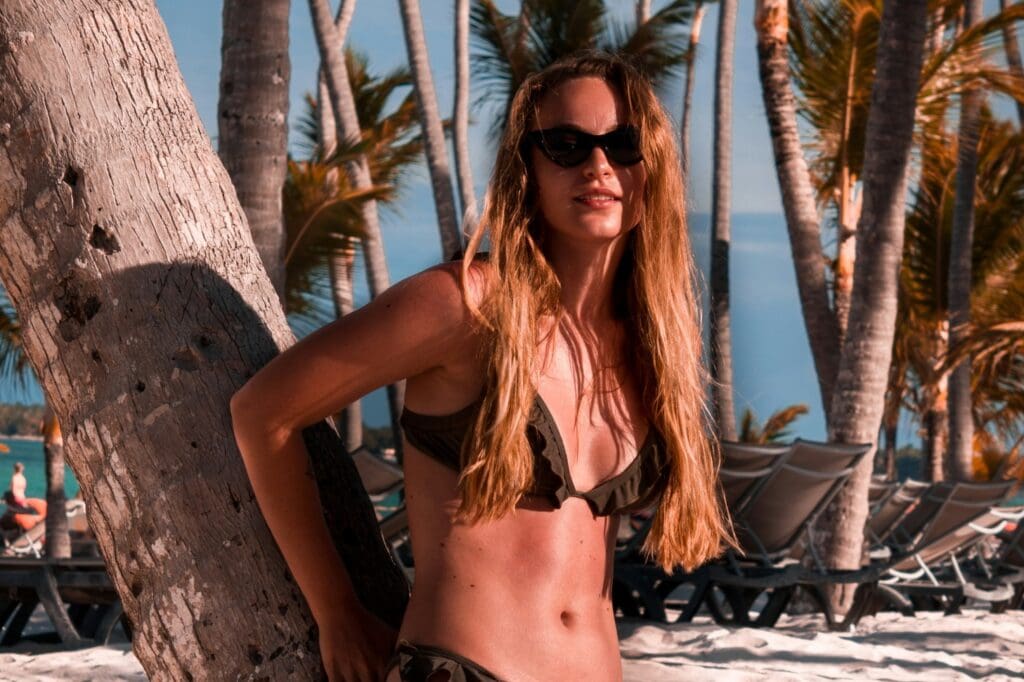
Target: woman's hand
(357, 648)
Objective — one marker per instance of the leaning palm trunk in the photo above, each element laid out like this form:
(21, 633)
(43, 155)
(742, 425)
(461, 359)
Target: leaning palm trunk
(691, 60)
(343, 103)
(643, 11)
(144, 306)
(859, 398)
(341, 264)
(961, 418)
(460, 131)
(433, 133)
(58, 542)
(721, 340)
(1013, 57)
(252, 119)
(802, 220)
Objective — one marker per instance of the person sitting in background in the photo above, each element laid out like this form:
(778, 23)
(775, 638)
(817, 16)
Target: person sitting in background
(19, 484)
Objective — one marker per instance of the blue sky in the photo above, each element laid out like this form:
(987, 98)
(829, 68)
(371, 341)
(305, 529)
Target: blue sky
(772, 361)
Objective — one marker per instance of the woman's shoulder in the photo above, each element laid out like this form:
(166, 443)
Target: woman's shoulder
(450, 288)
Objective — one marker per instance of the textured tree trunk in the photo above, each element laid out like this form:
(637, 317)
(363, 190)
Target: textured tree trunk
(691, 59)
(252, 119)
(347, 122)
(144, 307)
(846, 253)
(961, 417)
(772, 23)
(58, 542)
(887, 465)
(859, 398)
(720, 337)
(643, 11)
(467, 195)
(341, 266)
(433, 132)
(1013, 60)
(936, 419)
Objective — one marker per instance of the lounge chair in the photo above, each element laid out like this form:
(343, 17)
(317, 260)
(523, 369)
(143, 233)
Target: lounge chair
(949, 520)
(888, 511)
(640, 589)
(774, 529)
(382, 480)
(31, 542)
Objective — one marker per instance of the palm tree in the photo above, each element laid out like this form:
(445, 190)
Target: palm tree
(1013, 61)
(830, 47)
(961, 419)
(510, 47)
(347, 122)
(192, 314)
(252, 119)
(775, 429)
(858, 401)
(720, 344)
(798, 195)
(392, 147)
(460, 116)
(430, 117)
(691, 60)
(14, 367)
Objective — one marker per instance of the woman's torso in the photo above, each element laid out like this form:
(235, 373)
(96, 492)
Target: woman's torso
(527, 596)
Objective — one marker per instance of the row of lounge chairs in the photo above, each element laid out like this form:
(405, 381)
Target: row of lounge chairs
(776, 493)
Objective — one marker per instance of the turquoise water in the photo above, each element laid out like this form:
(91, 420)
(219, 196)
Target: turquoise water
(30, 453)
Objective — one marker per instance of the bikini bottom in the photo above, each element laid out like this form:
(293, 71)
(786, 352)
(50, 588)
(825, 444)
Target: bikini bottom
(419, 662)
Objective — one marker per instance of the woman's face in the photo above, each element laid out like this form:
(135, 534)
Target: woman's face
(597, 200)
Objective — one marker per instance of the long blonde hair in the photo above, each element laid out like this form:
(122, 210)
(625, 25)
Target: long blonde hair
(690, 525)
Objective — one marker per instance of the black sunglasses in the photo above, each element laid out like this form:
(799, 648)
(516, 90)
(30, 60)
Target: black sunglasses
(569, 147)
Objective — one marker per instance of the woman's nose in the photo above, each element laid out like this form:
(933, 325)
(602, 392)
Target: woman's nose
(597, 164)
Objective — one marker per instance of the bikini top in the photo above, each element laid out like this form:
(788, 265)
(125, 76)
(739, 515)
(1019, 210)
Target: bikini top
(635, 488)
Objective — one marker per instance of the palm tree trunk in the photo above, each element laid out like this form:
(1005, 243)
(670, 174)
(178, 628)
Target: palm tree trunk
(772, 24)
(846, 253)
(343, 103)
(961, 418)
(252, 120)
(888, 461)
(859, 398)
(58, 542)
(341, 265)
(1013, 60)
(350, 422)
(721, 341)
(139, 338)
(691, 60)
(433, 133)
(643, 12)
(936, 419)
(467, 195)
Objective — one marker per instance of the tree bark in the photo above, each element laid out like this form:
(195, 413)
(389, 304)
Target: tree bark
(463, 167)
(1013, 60)
(691, 59)
(721, 340)
(58, 542)
(341, 265)
(961, 417)
(252, 119)
(433, 132)
(643, 12)
(144, 307)
(347, 122)
(772, 23)
(859, 397)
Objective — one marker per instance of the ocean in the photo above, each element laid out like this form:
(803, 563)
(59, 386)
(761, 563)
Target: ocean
(30, 453)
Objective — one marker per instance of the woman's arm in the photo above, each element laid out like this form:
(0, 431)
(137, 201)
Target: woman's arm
(414, 327)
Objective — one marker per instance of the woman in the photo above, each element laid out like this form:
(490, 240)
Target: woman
(552, 386)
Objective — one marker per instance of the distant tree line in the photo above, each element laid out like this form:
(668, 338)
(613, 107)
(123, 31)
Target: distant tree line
(20, 420)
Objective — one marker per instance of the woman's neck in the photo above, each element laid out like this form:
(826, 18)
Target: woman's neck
(587, 274)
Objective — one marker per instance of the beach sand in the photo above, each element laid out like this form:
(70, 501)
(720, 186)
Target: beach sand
(974, 645)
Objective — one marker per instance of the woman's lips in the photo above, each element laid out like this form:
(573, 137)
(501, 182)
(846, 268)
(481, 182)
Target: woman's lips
(596, 200)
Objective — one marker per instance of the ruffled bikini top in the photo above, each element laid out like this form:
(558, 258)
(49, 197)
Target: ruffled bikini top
(636, 487)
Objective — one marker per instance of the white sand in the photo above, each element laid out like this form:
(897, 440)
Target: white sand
(930, 646)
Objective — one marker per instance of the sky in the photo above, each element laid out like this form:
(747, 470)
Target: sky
(772, 361)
